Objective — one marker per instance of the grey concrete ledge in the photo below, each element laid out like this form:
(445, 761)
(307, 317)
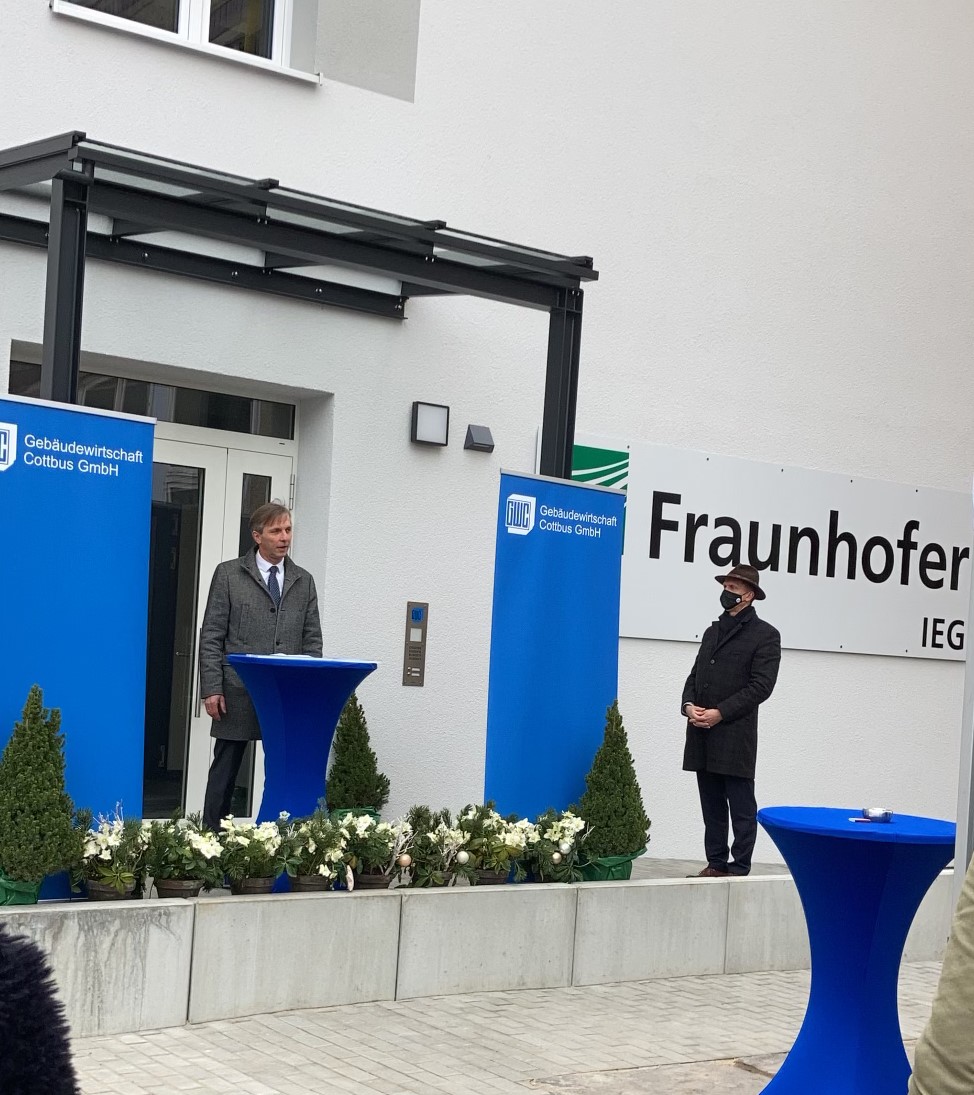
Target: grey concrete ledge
(140, 965)
(288, 951)
(633, 931)
(479, 938)
(119, 965)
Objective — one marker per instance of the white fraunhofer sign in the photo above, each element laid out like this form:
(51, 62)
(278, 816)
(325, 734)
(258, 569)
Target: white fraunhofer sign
(848, 564)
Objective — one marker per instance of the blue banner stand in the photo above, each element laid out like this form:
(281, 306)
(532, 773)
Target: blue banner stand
(554, 647)
(76, 485)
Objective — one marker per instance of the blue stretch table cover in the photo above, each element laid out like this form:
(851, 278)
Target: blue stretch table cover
(861, 884)
(298, 702)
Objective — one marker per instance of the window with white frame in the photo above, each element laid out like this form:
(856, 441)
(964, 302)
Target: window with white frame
(258, 28)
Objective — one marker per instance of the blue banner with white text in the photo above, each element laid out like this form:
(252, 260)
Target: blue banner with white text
(554, 647)
(76, 487)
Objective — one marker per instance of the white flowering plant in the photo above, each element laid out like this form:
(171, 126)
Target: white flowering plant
(553, 857)
(255, 851)
(369, 844)
(183, 848)
(317, 847)
(113, 851)
(496, 843)
(440, 856)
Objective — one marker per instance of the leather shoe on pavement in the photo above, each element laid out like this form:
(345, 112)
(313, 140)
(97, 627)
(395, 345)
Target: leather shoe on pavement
(710, 872)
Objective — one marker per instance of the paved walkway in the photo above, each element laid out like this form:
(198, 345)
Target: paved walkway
(686, 1035)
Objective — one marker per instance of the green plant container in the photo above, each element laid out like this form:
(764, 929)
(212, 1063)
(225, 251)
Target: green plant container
(609, 868)
(13, 892)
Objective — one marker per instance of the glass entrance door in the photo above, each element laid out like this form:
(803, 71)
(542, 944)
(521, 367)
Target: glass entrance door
(202, 499)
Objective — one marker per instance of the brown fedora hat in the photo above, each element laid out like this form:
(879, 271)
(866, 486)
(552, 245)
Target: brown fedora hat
(744, 573)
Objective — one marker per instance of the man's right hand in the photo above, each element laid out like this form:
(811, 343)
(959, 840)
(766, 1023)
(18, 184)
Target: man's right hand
(215, 706)
(694, 713)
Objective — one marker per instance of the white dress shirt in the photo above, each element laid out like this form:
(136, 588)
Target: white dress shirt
(265, 571)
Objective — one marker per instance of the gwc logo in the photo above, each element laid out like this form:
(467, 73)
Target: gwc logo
(8, 444)
(519, 514)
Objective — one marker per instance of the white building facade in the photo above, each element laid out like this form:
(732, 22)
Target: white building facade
(776, 199)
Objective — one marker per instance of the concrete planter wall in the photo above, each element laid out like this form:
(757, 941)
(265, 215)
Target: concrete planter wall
(138, 965)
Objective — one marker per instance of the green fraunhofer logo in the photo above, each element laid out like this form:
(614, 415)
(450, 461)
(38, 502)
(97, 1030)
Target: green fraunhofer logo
(600, 467)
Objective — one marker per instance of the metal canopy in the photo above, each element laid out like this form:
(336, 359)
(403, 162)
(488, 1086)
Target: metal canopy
(145, 194)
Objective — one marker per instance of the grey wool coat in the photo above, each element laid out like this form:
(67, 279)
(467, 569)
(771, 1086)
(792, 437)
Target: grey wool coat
(240, 618)
(734, 674)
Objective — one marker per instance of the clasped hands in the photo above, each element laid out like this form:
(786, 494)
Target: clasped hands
(704, 717)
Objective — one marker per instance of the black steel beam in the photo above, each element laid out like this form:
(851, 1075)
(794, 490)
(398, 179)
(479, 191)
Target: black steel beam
(284, 262)
(411, 290)
(305, 243)
(64, 300)
(205, 268)
(561, 386)
(131, 228)
(37, 161)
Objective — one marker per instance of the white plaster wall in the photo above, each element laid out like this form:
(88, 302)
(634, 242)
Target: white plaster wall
(778, 198)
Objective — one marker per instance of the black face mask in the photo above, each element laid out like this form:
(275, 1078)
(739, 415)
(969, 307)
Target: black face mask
(730, 600)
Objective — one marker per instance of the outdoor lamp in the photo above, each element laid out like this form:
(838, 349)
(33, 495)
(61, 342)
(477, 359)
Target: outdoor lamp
(430, 424)
(479, 438)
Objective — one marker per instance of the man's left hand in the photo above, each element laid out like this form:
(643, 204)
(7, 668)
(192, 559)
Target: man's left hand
(709, 718)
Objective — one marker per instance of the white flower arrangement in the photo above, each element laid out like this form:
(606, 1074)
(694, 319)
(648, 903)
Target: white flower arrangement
(251, 850)
(113, 851)
(182, 849)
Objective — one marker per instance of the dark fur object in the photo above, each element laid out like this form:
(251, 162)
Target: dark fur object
(35, 1056)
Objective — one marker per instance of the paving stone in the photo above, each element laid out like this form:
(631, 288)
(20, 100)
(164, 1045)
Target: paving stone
(684, 1035)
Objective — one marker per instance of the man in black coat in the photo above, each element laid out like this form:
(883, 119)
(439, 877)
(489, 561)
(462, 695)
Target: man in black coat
(735, 671)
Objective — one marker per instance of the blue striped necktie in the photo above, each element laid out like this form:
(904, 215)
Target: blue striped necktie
(272, 586)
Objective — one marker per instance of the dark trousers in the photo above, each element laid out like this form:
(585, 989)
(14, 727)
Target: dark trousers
(720, 796)
(221, 780)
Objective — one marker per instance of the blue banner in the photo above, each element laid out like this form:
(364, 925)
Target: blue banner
(76, 486)
(554, 646)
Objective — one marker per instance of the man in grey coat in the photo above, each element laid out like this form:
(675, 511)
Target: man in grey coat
(735, 670)
(261, 603)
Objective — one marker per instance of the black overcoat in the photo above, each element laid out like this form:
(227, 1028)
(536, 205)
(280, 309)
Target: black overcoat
(734, 674)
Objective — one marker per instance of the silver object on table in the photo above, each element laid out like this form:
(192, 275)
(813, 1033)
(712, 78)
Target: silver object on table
(877, 813)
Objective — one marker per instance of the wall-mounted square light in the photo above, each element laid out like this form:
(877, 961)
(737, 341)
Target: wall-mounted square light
(430, 424)
(479, 438)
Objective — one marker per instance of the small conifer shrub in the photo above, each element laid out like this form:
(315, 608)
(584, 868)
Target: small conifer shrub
(612, 804)
(37, 835)
(354, 781)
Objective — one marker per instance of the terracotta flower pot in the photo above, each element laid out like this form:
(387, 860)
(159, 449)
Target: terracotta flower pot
(305, 883)
(250, 886)
(368, 881)
(486, 877)
(178, 887)
(105, 891)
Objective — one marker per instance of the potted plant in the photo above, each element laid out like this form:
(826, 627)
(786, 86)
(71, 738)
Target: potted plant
(495, 843)
(318, 851)
(553, 857)
(612, 807)
(254, 855)
(369, 848)
(112, 863)
(439, 853)
(37, 834)
(354, 780)
(183, 856)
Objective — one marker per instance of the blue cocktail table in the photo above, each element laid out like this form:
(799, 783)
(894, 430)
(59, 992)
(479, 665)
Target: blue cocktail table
(298, 701)
(861, 884)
